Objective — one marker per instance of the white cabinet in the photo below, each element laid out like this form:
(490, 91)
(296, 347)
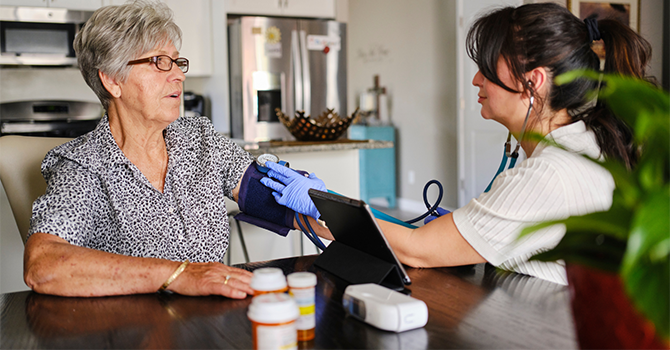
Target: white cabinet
(194, 18)
(90, 5)
(289, 8)
(87, 5)
(255, 7)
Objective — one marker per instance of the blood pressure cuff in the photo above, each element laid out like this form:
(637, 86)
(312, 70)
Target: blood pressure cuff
(259, 206)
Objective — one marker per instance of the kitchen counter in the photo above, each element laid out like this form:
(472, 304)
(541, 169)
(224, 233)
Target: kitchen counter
(284, 147)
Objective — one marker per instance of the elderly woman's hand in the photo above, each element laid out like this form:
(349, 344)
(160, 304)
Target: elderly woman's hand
(213, 278)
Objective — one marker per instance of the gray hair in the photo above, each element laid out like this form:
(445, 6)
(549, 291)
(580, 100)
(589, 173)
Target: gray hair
(115, 35)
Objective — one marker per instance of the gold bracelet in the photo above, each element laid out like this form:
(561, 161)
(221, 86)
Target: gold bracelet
(174, 276)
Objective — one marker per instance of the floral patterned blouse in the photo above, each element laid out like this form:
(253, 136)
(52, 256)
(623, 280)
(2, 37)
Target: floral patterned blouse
(97, 198)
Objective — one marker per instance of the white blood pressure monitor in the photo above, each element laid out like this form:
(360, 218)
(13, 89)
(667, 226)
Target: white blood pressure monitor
(384, 308)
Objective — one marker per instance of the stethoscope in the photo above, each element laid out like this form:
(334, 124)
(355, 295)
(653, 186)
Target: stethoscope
(508, 145)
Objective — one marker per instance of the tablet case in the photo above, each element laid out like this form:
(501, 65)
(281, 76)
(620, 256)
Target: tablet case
(359, 253)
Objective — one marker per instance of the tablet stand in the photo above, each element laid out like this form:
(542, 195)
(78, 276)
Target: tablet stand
(356, 267)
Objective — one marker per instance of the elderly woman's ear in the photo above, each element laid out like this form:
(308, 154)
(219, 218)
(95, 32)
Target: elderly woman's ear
(110, 84)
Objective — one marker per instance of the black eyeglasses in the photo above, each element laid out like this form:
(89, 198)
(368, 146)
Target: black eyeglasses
(164, 62)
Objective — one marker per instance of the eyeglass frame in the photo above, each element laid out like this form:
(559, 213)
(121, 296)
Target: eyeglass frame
(154, 60)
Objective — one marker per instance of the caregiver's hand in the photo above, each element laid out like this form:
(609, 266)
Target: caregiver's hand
(293, 190)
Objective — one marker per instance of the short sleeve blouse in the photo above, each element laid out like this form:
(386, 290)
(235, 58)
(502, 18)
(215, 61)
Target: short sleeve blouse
(97, 198)
(551, 184)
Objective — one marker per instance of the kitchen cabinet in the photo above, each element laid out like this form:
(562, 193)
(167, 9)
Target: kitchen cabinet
(86, 5)
(194, 18)
(377, 166)
(287, 8)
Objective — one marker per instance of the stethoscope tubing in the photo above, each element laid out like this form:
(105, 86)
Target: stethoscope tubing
(506, 147)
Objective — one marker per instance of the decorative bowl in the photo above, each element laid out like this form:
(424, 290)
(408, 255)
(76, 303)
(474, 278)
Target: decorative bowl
(327, 126)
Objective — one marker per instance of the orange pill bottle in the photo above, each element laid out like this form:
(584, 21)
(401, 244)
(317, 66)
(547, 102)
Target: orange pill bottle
(273, 317)
(302, 289)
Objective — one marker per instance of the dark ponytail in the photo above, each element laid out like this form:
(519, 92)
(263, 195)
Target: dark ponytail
(548, 35)
(626, 53)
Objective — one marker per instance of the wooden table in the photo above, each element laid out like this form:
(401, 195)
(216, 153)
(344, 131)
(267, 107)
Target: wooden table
(469, 307)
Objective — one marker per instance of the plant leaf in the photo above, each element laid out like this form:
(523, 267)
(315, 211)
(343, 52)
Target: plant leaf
(649, 288)
(586, 248)
(646, 264)
(614, 222)
(643, 106)
(650, 227)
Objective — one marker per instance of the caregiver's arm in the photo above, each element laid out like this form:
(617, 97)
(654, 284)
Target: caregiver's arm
(439, 243)
(433, 245)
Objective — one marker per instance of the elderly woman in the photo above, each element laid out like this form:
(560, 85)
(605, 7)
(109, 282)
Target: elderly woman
(130, 204)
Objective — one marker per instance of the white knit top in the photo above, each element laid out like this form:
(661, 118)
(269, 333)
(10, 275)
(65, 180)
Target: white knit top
(551, 184)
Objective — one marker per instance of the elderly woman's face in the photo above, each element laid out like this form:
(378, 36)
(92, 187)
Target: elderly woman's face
(152, 93)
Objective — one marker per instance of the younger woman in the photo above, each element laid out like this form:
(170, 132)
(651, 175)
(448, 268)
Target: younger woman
(519, 52)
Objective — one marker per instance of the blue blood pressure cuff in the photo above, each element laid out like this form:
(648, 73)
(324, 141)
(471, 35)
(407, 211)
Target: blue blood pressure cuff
(259, 206)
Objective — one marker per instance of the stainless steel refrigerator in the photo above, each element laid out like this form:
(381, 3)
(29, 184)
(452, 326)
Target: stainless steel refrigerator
(291, 64)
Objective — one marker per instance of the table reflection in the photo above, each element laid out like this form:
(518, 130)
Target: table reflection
(521, 308)
(469, 307)
(141, 321)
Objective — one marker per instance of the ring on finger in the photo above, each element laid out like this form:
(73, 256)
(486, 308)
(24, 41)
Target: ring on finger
(227, 278)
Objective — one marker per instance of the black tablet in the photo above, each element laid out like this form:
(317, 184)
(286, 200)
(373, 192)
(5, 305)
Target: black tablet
(352, 223)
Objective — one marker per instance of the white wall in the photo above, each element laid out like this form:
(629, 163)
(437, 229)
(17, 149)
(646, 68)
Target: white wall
(651, 28)
(412, 46)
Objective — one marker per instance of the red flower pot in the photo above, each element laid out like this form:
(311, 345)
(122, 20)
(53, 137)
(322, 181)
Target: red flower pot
(604, 316)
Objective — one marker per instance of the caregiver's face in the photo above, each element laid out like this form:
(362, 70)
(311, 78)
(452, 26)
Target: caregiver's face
(499, 104)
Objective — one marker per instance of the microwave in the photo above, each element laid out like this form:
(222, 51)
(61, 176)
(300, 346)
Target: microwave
(37, 36)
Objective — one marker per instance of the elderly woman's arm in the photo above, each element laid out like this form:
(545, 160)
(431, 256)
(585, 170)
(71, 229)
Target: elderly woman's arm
(54, 266)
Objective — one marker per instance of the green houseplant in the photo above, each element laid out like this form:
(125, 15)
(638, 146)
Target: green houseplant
(630, 241)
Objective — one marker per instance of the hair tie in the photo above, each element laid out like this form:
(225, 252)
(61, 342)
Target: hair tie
(592, 28)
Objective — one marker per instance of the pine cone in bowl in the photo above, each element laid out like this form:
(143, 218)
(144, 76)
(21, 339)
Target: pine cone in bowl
(327, 126)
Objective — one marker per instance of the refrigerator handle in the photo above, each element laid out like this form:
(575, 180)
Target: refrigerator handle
(307, 82)
(297, 78)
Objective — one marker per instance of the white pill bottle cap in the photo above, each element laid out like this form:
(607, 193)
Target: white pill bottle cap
(273, 308)
(268, 279)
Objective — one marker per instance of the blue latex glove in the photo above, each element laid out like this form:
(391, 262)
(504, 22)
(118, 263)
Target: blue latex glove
(293, 190)
(440, 211)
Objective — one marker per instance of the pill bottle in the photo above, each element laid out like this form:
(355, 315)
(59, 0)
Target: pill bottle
(268, 280)
(273, 317)
(301, 288)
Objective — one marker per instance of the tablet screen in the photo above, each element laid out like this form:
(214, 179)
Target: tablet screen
(351, 222)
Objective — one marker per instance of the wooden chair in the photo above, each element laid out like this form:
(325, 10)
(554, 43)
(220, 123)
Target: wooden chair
(20, 172)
